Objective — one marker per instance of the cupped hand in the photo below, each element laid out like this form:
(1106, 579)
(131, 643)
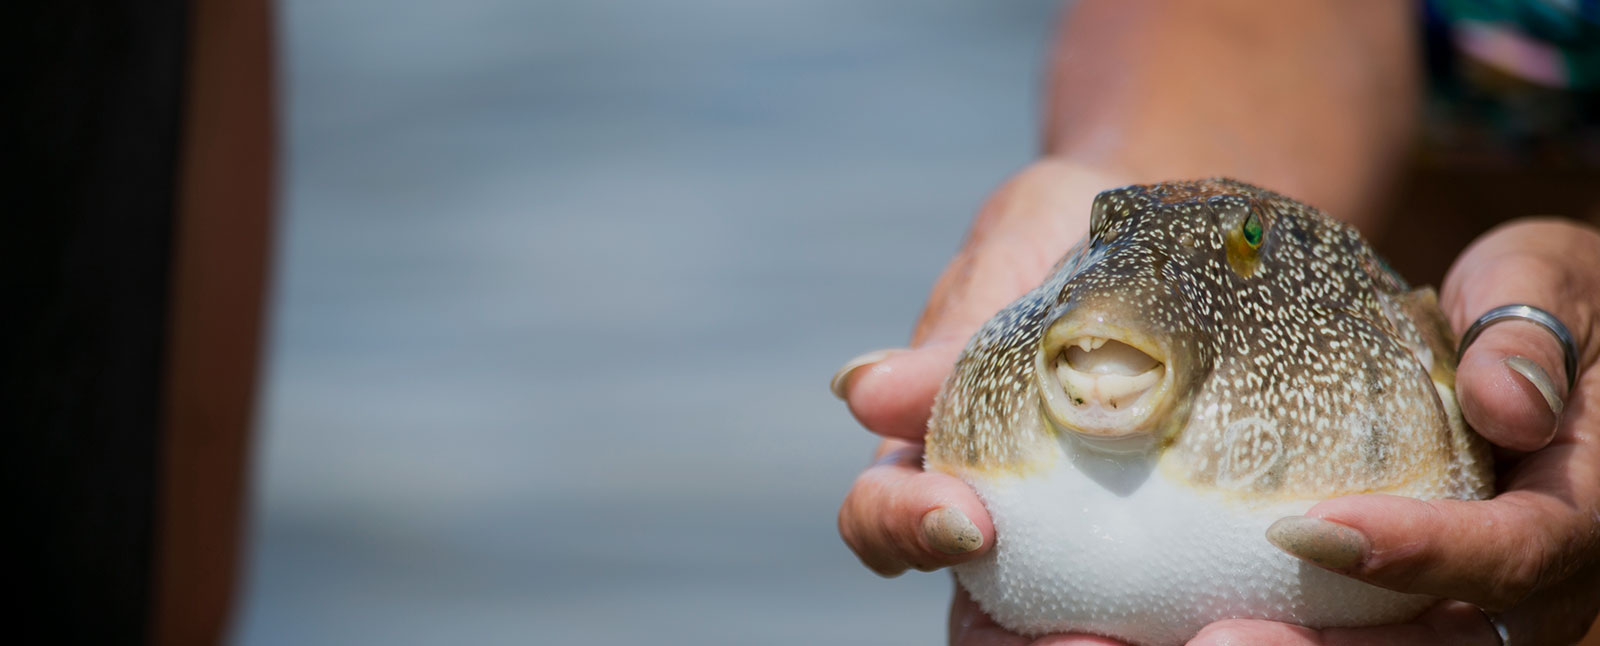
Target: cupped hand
(897, 516)
(1531, 555)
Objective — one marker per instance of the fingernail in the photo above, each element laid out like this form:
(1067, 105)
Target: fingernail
(950, 531)
(1325, 543)
(1539, 378)
(841, 379)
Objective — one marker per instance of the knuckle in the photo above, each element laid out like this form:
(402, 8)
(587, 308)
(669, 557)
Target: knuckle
(885, 566)
(851, 511)
(1529, 266)
(880, 520)
(847, 528)
(897, 523)
(1532, 564)
(887, 569)
(1519, 577)
(861, 521)
(882, 559)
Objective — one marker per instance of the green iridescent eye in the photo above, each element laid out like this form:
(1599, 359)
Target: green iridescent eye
(1252, 230)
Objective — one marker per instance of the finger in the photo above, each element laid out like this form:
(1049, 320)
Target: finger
(898, 516)
(1507, 390)
(1512, 380)
(970, 626)
(891, 392)
(1446, 624)
(1491, 553)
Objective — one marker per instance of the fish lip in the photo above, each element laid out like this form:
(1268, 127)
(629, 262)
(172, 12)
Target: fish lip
(1127, 444)
(1130, 430)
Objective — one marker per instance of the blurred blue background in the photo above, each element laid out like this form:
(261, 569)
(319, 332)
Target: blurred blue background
(560, 286)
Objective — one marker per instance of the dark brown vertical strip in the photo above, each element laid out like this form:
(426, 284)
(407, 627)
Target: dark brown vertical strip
(220, 260)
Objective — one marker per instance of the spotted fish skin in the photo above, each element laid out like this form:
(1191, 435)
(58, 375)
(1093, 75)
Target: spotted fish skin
(1309, 368)
(1296, 367)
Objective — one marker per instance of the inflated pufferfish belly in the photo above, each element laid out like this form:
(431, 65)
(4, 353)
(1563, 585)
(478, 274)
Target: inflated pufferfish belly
(1211, 358)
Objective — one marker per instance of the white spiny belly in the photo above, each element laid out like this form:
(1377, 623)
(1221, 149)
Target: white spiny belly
(1096, 546)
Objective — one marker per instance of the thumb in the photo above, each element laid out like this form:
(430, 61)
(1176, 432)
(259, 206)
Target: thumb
(891, 391)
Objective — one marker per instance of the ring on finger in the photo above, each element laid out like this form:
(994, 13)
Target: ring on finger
(1531, 314)
(1499, 627)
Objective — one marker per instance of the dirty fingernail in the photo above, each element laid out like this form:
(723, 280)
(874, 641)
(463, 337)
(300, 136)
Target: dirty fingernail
(1325, 543)
(840, 383)
(1540, 379)
(950, 531)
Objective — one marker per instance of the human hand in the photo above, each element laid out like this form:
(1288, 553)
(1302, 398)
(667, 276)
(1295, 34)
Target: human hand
(1547, 555)
(1016, 239)
(897, 516)
(1530, 556)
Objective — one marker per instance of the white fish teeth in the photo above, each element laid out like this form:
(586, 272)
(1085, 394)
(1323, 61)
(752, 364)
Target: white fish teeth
(1091, 343)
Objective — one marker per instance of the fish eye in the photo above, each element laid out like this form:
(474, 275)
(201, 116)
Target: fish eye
(1251, 230)
(1243, 243)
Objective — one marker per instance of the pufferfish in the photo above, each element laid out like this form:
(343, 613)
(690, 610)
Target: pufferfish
(1210, 358)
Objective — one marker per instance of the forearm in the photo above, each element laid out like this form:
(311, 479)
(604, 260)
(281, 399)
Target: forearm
(1314, 99)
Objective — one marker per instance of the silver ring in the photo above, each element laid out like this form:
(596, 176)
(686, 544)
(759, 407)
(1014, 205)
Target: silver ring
(1499, 627)
(1530, 314)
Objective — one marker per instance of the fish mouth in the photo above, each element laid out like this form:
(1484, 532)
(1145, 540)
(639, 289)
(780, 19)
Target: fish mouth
(1106, 383)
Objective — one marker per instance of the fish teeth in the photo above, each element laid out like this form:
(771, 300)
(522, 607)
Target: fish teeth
(1091, 343)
